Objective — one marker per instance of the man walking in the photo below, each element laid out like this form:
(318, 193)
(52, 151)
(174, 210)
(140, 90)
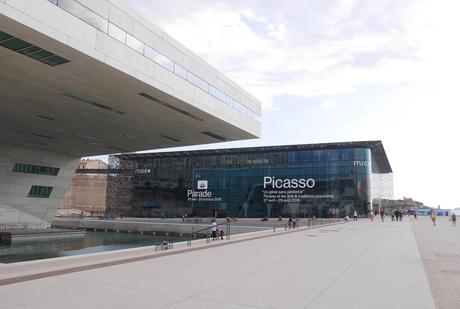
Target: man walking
(355, 216)
(214, 230)
(453, 217)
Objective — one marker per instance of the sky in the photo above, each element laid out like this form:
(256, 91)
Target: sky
(340, 70)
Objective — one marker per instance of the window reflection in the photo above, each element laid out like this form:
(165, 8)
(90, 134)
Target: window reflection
(117, 33)
(197, 81)
(134, 43)
(180, 71)
(84, 13)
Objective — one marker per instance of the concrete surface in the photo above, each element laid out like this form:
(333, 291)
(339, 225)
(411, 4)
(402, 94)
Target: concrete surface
(355, 265)
(439, 247)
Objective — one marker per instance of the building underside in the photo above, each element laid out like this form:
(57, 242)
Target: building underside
(83, 78)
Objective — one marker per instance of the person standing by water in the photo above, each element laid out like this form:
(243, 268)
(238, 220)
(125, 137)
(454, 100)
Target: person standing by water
(433, 217)
(453, 217)
(355, 216)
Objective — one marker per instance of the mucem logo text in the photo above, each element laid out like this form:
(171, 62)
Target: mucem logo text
(279, 183)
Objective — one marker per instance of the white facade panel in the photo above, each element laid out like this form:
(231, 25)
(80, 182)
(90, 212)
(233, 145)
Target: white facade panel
(16, 207)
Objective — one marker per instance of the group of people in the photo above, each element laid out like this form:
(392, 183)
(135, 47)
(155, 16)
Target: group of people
(397, 215)
(292, 223)
(452, 218)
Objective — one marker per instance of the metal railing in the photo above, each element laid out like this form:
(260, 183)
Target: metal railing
(207, 231)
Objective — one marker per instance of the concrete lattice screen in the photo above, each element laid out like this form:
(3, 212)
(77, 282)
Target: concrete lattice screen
(120, 191)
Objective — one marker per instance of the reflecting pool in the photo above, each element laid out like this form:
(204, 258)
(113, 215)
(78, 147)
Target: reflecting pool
(90, 243)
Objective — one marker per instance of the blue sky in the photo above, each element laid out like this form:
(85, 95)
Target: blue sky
(333, 70)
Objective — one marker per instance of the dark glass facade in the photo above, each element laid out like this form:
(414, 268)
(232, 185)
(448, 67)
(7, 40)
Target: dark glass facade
(262, 182)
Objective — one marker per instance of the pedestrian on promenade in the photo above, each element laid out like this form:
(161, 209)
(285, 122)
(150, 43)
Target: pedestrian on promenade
(415, 214)
(355, 216)
(382, 215)
(433, 217)
(214, 230)
(293, 223)
(371, 214)
(290, 222)
(454, 219)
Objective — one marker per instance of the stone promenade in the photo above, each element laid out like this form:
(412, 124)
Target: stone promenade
(353, 265)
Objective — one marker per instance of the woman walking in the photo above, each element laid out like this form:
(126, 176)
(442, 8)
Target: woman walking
(433, 217)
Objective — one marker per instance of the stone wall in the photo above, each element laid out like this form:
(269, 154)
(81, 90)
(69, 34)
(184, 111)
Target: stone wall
(87, 193)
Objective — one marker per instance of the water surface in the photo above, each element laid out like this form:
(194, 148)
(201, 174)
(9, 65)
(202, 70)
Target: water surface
(92, 242)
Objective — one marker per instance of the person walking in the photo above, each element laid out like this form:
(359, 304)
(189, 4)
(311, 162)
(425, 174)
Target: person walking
(433, 217)
(355, 216)
(382, 215)
(453, 217)
(290, 222)
(415, 215)
(293, 223)
(214, 230)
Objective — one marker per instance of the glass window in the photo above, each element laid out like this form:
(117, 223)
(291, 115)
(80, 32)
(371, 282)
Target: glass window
(158, 58)
(239, 106)
(4, 36)
(197, 81)
(318, 155)
(15, 44)
(333, 155)
(217, 93)
(35, 169)
(117, 33)
(40, 191)
(84, 14)
(39, 54)
(180, 71)
(54, 60)
(134, 43)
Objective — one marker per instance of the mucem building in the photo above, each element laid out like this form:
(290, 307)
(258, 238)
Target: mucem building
(322, 180)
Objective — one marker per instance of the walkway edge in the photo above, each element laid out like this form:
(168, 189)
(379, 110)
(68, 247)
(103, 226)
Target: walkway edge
(51, 273)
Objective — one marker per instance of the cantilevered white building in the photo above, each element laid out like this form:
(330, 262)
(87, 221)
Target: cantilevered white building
(86, 77)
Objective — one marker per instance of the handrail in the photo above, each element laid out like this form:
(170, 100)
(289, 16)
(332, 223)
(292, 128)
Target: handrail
(299, 222)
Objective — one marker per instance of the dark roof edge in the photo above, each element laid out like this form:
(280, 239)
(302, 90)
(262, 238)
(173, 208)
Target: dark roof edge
(376, 147)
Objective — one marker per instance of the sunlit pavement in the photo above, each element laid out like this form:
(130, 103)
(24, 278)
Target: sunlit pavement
(354, 265)
(439, 247)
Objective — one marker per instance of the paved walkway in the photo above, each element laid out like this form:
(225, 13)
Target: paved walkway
(439, 247)
(355, 265)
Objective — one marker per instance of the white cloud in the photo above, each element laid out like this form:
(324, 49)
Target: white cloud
(333, 49)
